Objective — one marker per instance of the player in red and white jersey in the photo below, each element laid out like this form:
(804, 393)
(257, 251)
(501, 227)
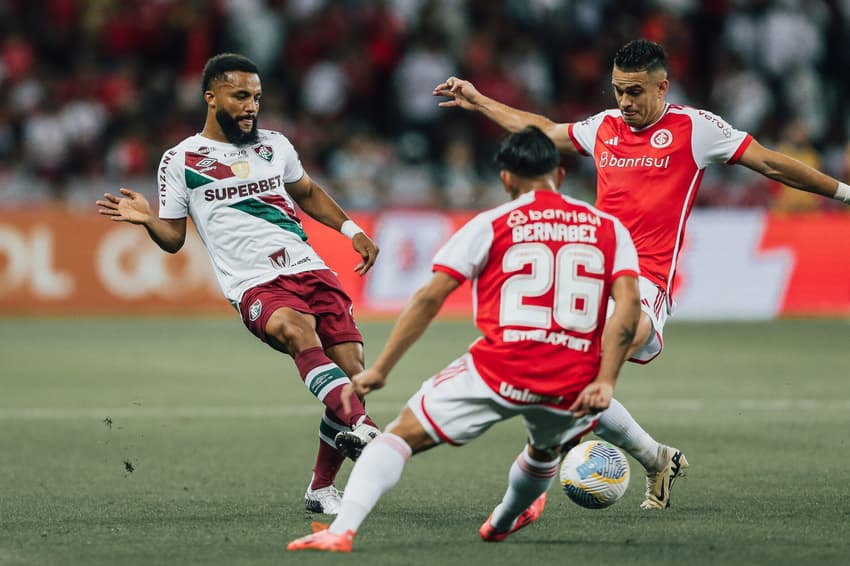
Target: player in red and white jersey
(650, 157)
(240, 186)
(542, 268)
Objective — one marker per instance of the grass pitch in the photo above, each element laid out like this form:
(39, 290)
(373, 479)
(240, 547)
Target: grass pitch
(187, 441)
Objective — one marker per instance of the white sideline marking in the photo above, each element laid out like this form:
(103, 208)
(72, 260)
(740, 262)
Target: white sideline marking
(313, 409)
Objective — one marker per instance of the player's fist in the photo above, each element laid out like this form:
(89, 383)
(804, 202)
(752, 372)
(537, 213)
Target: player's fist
(594, 398)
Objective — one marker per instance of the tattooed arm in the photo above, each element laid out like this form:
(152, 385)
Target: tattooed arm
(617, 339)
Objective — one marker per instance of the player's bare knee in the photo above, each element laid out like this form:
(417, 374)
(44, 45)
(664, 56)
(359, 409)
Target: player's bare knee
(408, 428)
(293, 331)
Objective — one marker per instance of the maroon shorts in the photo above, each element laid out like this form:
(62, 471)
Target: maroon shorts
(318, 293)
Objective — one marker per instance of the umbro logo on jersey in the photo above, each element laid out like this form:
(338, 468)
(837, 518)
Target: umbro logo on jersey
(516, 217)
(612, 141)
(205, 164)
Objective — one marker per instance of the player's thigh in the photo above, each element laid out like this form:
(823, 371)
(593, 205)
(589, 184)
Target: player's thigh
(276, 313)
(549, 429)
(655, 309)
(291, 331)
(456, 406)
(408, 428)
(334, 311)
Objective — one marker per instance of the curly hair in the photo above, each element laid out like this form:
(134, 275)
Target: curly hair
(221, 64)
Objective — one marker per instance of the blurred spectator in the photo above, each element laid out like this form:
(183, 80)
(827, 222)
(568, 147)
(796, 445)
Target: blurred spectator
(93, 92)
(796, 143)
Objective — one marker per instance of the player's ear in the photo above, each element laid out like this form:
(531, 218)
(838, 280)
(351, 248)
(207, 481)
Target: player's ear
(505, 176)
(209, 97)
(559, 176)
(663, 86)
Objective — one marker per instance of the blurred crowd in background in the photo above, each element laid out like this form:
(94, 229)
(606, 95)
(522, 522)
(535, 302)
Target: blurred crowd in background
(93, 91)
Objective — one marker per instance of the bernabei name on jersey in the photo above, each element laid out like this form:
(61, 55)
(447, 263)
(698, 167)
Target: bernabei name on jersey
(554, 232)
(243, 190)
(546, 337)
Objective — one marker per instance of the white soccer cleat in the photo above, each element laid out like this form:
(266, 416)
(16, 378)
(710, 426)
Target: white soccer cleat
(352, 442)
(325, 500)
(659, 484)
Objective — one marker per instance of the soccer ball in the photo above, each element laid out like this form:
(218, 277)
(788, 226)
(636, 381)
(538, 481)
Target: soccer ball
(595, 474)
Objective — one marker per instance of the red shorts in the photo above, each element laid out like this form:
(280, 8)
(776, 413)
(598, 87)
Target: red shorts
(318, 293)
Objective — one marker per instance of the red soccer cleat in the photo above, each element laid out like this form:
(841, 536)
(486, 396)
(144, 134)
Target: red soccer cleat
(322, 539)
(489, 534)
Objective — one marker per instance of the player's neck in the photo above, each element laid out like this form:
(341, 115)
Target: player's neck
(214, 132)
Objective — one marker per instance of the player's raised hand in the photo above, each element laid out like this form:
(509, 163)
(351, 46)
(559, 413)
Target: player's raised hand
(131, 207)
(594, 398)
(367, 249)
(462, 94)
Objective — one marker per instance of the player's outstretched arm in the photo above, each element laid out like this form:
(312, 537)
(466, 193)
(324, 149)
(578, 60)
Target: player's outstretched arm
(617, 339)
(134, 208)
(791, 172)
(316, 202)
(463, 94)
(411, 324)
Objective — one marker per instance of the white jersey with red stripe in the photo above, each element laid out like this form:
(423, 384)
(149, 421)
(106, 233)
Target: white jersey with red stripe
(236, 198)
(649, 178)
(541, 267)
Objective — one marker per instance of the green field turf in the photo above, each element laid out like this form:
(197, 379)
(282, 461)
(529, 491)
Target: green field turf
(221, 434)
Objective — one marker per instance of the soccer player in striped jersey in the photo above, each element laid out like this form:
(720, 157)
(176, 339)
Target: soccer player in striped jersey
(542, 267)
(240, 185)
(650, 157)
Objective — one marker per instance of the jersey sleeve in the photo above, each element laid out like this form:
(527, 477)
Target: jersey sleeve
(583, 134)
(715, 141)
(292, 168)
(466, 252)
(173, 192)
(625, 256)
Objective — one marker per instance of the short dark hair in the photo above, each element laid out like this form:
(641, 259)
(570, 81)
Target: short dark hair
(528, 153)
(641, 55)
(221, 64)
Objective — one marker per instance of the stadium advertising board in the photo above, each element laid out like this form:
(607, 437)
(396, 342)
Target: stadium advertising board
(734, 265)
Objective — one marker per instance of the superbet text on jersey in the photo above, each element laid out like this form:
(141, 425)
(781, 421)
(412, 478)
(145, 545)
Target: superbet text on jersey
(541, 268)
(648, 178)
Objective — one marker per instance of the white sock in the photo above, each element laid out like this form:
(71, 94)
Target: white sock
(617, 426)
(377, 470)
(527, 480)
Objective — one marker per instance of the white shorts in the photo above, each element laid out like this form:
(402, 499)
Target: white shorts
(656, 304)
(456, 406)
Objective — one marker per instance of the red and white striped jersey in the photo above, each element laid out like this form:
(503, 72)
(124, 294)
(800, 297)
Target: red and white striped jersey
(649, 178)
(541, 267)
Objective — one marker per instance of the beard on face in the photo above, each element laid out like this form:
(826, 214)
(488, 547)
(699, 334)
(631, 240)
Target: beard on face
(232, 131)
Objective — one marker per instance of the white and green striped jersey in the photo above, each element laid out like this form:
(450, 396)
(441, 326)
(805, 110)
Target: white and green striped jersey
(236, 198)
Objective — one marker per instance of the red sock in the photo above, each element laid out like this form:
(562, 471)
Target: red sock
(328, 462)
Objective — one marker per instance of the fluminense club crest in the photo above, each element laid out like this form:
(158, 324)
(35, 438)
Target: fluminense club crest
(264, 151)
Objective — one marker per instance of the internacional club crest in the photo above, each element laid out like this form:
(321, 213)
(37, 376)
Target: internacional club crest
(661, 139)
(264, 151)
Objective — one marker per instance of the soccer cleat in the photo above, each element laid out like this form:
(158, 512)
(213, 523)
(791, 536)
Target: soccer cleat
(352, 442)
(325, 500)
(323, 540)
(659, 484)
(489, 534)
